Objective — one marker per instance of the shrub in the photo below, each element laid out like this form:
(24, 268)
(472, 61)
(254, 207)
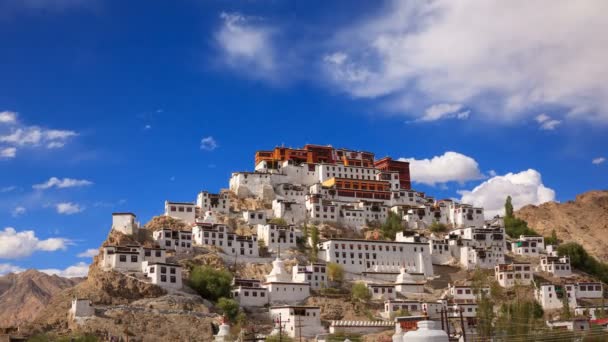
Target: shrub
(392, 226)
(359, 292)
(437, 227)
(278, 220)
(229, 307)
(335, 272)
(580, 259)
(210, 283)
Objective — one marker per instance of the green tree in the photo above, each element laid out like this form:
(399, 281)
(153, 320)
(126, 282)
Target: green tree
(485, 317)
(437, 227)
(360, 293)
(565, 313)
(229, 307)
(508, 207)
(515, 227)
(551, 240)
(580, 259)
(391, 226)
(335, 272)
(210, 283)
(314, 241)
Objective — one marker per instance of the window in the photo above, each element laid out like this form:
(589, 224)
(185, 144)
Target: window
(133, 258)
(163, 278)
(163, 269)
(122, 258)
(172, 270)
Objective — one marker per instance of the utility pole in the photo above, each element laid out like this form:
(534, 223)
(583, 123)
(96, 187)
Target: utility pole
(464, 334)
(280, 322)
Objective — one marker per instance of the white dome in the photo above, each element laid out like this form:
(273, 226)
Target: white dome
(278, 273)
(427, 332)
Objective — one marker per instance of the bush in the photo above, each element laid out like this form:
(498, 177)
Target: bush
(580, 259)
(277, 338)
(210, 283)
(392, 226)
(335, 272)
(515, 227)
(229, 307)
(359, 292)
(437, 227)
(278, 220)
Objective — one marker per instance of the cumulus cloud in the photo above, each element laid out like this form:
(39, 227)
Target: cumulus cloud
(546, 123)
(525, 188)
(18, 211)
(80, 269)
(444, 111)
(18, 135)
(424, 51)
(8, 152)
(598, 160)
(68, 208)
(15, 245)
(9, 268)
(89, 253)
(55, 182)
(8, 117)
(246, 45)
(208, 144)
(448, 167)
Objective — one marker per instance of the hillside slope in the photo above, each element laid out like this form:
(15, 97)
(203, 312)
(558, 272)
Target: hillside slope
(584, 220)
(24, 295)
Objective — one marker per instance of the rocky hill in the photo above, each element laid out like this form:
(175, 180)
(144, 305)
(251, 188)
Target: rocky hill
(584, 220)
(24, 295)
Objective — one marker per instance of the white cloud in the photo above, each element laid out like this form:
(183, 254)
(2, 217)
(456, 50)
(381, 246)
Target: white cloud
(80, 269)
(68, 208)
(598, 160)
(89, 253)
(8, 117)
(18, 211)
(8, 152)
(422, 52)
(8, 188)
(208, 144)
(525, 188)
(8, 268)
(546, 122)
(246, 45)
(444, 111)
(15, 245)
(55, 182)
(449, 167)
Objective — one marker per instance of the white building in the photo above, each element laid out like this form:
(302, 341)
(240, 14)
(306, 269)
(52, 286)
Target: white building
(393, 306)
(220, 203)
(382, 291)
(81, 309)
(465, 215)
(297, 321)
(440, 251)
(181, 210)
(278, 236)
(509, 275)
(254, 217)
(358, 256)
(292, 212)
(314, 273)
(528, 245)
(122, 258)
(407, 283)
(589, 290)
(466, 293)
(281, 288)
(481, 257)
(577, 324)
(434, 309)
(178, 240)
(218, 235)
(165, 275)
(249, 292)
(557, 266)
(553, 296)
(124, 223)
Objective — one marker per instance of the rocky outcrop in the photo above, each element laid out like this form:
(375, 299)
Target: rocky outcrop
(584, 220)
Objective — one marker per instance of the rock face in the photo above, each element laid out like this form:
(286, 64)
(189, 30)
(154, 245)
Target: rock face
(24, 295)
(584, 220)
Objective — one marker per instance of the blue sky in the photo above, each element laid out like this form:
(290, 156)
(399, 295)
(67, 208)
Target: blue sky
(114, 98)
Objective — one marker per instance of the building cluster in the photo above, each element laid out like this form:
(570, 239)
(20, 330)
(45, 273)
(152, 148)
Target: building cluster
(352, 190)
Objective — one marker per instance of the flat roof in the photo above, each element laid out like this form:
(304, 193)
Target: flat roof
(123, 213)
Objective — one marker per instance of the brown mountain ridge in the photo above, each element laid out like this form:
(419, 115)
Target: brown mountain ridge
(584, 221)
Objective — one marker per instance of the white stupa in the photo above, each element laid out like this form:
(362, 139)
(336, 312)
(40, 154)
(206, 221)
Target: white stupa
(427, 332)
(223, 334)
(398, 335)
(278, 273)
(405, 278)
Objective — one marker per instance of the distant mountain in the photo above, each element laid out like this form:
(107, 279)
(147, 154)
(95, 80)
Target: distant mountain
(23, 295)
(584, 220)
